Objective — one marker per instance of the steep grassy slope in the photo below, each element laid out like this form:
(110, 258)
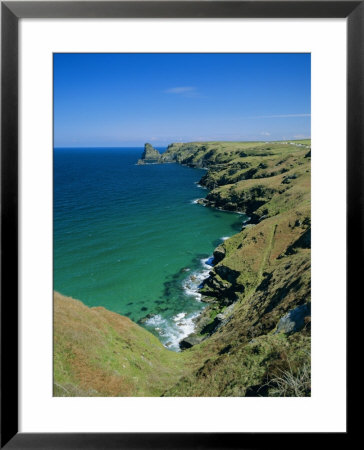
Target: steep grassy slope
(101, 353)
(254, 336)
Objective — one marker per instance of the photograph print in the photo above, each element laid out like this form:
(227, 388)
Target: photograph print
(182, 225)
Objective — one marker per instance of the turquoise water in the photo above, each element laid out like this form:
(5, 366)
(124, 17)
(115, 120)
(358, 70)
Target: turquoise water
(130, 238)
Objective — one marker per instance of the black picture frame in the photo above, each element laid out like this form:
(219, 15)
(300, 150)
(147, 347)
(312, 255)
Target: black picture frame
(11, 12)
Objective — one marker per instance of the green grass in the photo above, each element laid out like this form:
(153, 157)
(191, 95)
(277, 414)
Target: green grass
(100, 353)
(250, 369)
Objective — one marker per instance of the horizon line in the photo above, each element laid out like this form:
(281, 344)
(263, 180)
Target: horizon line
(179, 142)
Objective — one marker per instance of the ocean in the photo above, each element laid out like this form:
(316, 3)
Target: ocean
(132, 238)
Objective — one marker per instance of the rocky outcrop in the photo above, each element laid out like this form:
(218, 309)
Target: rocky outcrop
(190, 341)
(150, 155)
(295, 319)
(247, 200)
(219, 254)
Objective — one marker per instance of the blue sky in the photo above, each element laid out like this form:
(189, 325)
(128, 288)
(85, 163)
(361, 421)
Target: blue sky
(110, 100)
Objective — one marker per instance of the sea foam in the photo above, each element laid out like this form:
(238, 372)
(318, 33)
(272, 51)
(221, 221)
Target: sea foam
(172, 331)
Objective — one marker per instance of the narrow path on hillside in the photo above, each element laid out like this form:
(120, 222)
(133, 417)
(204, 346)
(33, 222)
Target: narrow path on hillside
(267, 253)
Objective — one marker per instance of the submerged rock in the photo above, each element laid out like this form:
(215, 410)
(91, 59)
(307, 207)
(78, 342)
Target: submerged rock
(202, 201)
(145, 318)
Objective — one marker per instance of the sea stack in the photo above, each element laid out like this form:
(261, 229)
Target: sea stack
(150, 155)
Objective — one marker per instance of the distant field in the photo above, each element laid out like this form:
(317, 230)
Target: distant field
(302, 141)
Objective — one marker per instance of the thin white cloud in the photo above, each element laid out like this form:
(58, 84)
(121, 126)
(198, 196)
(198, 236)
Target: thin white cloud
(280, 116)
(265, 133)
(180, 90)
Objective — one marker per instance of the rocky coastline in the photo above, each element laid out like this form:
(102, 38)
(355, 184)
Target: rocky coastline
(222, 289)
(256, 327)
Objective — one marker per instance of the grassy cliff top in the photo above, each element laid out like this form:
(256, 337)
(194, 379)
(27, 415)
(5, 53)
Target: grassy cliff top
(230, 152)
